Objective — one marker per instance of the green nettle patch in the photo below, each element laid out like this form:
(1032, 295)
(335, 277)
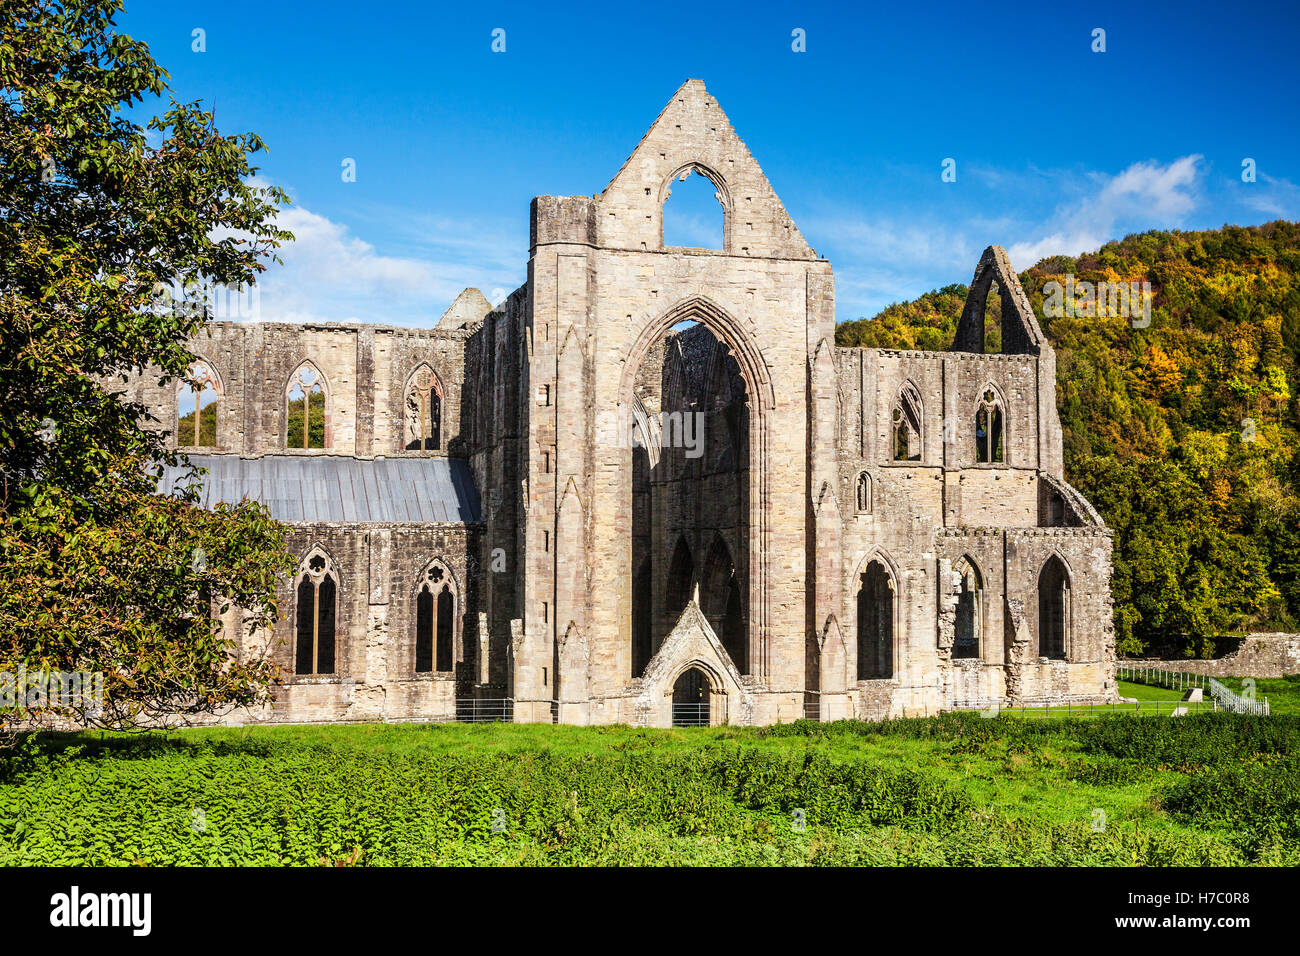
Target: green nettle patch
(956, 790)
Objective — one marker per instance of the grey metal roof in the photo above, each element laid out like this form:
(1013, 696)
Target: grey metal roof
(336, 488)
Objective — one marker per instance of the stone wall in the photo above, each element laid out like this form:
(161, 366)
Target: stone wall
(1256, 655)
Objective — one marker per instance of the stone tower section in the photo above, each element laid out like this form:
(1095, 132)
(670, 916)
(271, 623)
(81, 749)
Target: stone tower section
(608, 301)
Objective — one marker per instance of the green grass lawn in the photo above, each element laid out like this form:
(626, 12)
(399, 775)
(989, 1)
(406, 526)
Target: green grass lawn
(1216, 789)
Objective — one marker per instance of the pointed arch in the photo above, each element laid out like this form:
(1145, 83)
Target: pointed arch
(316, 593)
(990, 420)
(1054, 608)
(738, 339)
(1021, 334)
(877, 612)
(198, 398)
(969, 629)
(422, 410)
(307, 408)
(907, 423)
(437, 618)
(723, 194)
(863, 494)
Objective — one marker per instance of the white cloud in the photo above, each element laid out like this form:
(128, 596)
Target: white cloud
(1145, 195)
(331, 275)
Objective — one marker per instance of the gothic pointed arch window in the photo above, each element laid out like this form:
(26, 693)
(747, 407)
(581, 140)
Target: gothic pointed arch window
(435, 620)
(422, 430)
(315, 611)
(306, 419)
(875, 622)
(196, 407)
(863, 494)
(907, 424)
(1054, 610)
(970, 611)
(989, 426)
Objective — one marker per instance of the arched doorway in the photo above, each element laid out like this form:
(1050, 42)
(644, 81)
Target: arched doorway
(691, 699)
(875, 623)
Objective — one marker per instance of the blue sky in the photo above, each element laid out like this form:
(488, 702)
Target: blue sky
(1057, 148)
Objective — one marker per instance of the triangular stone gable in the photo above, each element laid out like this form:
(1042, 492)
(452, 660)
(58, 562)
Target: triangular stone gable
(692, 643)
(470, 306)
(693, 134)
(1020, 332)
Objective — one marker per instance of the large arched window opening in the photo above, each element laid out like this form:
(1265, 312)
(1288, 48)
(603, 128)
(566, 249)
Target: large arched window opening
(694, 212)
(435, 621)
(306, 419)
(970, 612)
(690, 483)
(696, 376)
(1054, 609)
(989, 418)
(196, 408)
(875, 623)
(907, 424)
(423, 411)
(315, 610)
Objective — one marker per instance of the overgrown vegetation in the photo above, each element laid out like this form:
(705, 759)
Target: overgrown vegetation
(1183, 434)
(954, 790)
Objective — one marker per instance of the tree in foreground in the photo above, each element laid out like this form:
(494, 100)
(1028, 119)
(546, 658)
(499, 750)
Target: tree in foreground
(99, 220)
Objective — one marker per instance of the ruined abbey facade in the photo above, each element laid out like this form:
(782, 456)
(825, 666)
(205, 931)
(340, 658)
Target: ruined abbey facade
(649, 484)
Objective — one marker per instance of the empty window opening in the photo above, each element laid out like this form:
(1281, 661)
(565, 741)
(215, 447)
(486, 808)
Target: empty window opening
(423, 411)
(993, 320)
(1053, 609)
(315, 609)
(907, 424)
(966, 641)
(988, 428)
(196, 408)
(864, 494)
(306, 413)
(693, 213)
(689, 482)
(875, 624)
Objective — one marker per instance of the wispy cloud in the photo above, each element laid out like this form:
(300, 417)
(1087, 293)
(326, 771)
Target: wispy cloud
(1145, 195)
(331, 275)
(1275, 198)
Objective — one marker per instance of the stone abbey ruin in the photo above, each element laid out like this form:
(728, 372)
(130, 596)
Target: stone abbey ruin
(649, 488)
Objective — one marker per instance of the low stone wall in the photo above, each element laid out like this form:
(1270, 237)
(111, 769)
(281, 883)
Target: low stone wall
(1258, 655)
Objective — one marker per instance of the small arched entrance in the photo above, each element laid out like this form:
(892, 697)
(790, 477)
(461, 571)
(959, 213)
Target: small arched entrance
(691, 699)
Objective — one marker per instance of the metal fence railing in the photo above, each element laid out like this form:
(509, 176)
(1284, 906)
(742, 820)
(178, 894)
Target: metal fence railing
(1144, 708)
(472, 710)
(690, 715)
(1226, 698)
(1237, 703)
(1160, 677)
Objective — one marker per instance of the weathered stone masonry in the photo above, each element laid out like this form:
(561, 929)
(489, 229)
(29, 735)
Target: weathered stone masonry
(856, 532)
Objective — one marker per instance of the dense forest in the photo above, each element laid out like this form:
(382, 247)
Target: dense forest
(1182, 433)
